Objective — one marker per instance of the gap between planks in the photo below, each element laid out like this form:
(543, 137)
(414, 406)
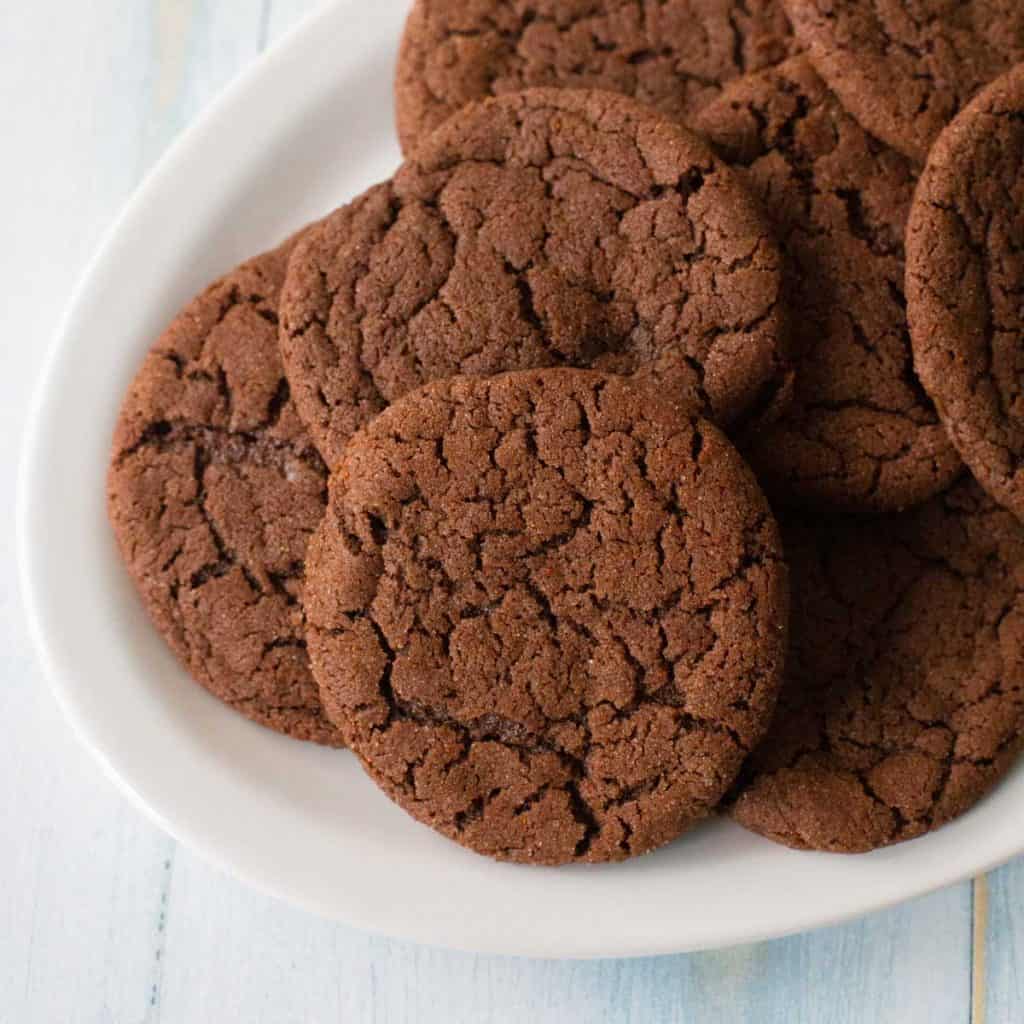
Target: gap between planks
(264, 27)
(979, 931)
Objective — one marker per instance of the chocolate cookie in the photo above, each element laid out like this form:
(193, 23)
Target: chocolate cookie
(547, 611)
(965, 279)
(549, 227)
(904, 68)
(861, 430)
(904, 695)
(213, 490)
(673, 55)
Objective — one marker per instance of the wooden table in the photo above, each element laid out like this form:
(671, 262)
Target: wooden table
(103, 918)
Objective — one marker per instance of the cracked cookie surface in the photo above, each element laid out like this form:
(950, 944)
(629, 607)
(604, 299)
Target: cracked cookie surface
(860, 431)
(213, 490)
(965, 285)
(905, 68)
(671, 54)
(544, 228)
(904, 695)
(547, 612)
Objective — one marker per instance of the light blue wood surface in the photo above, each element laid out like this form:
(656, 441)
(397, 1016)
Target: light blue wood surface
(1004, 945)
(857, 973)
(103, 918)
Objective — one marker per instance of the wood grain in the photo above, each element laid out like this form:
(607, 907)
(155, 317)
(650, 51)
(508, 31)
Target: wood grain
(105, 919)
(1004, 947)
(907, 965)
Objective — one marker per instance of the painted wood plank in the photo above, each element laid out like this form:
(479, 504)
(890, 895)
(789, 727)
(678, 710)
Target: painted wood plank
(909, 965)
(1004, 946)
(199, 47)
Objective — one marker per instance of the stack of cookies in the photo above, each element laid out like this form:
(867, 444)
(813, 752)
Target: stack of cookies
(650, 445)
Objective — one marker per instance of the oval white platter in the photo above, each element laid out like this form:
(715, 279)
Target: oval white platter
(307, 128)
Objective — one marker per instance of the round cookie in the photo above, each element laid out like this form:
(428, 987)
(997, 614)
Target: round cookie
(213, 490)
(861, 431)
(904, 695)
(673, 55)
(904, 68)
(547, 612)
(965, 279)
(543, 228)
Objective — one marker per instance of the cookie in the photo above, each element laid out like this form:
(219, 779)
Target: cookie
(860, 431)
(543, 228)
(213, 490)
(673, 55)
(904, 695)
(904, 68)
(547, 612)
(965, 279)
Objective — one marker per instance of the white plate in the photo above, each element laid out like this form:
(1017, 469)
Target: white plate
(307, 128)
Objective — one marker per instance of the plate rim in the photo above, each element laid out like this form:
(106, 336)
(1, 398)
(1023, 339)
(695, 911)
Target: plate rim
(28, 485)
